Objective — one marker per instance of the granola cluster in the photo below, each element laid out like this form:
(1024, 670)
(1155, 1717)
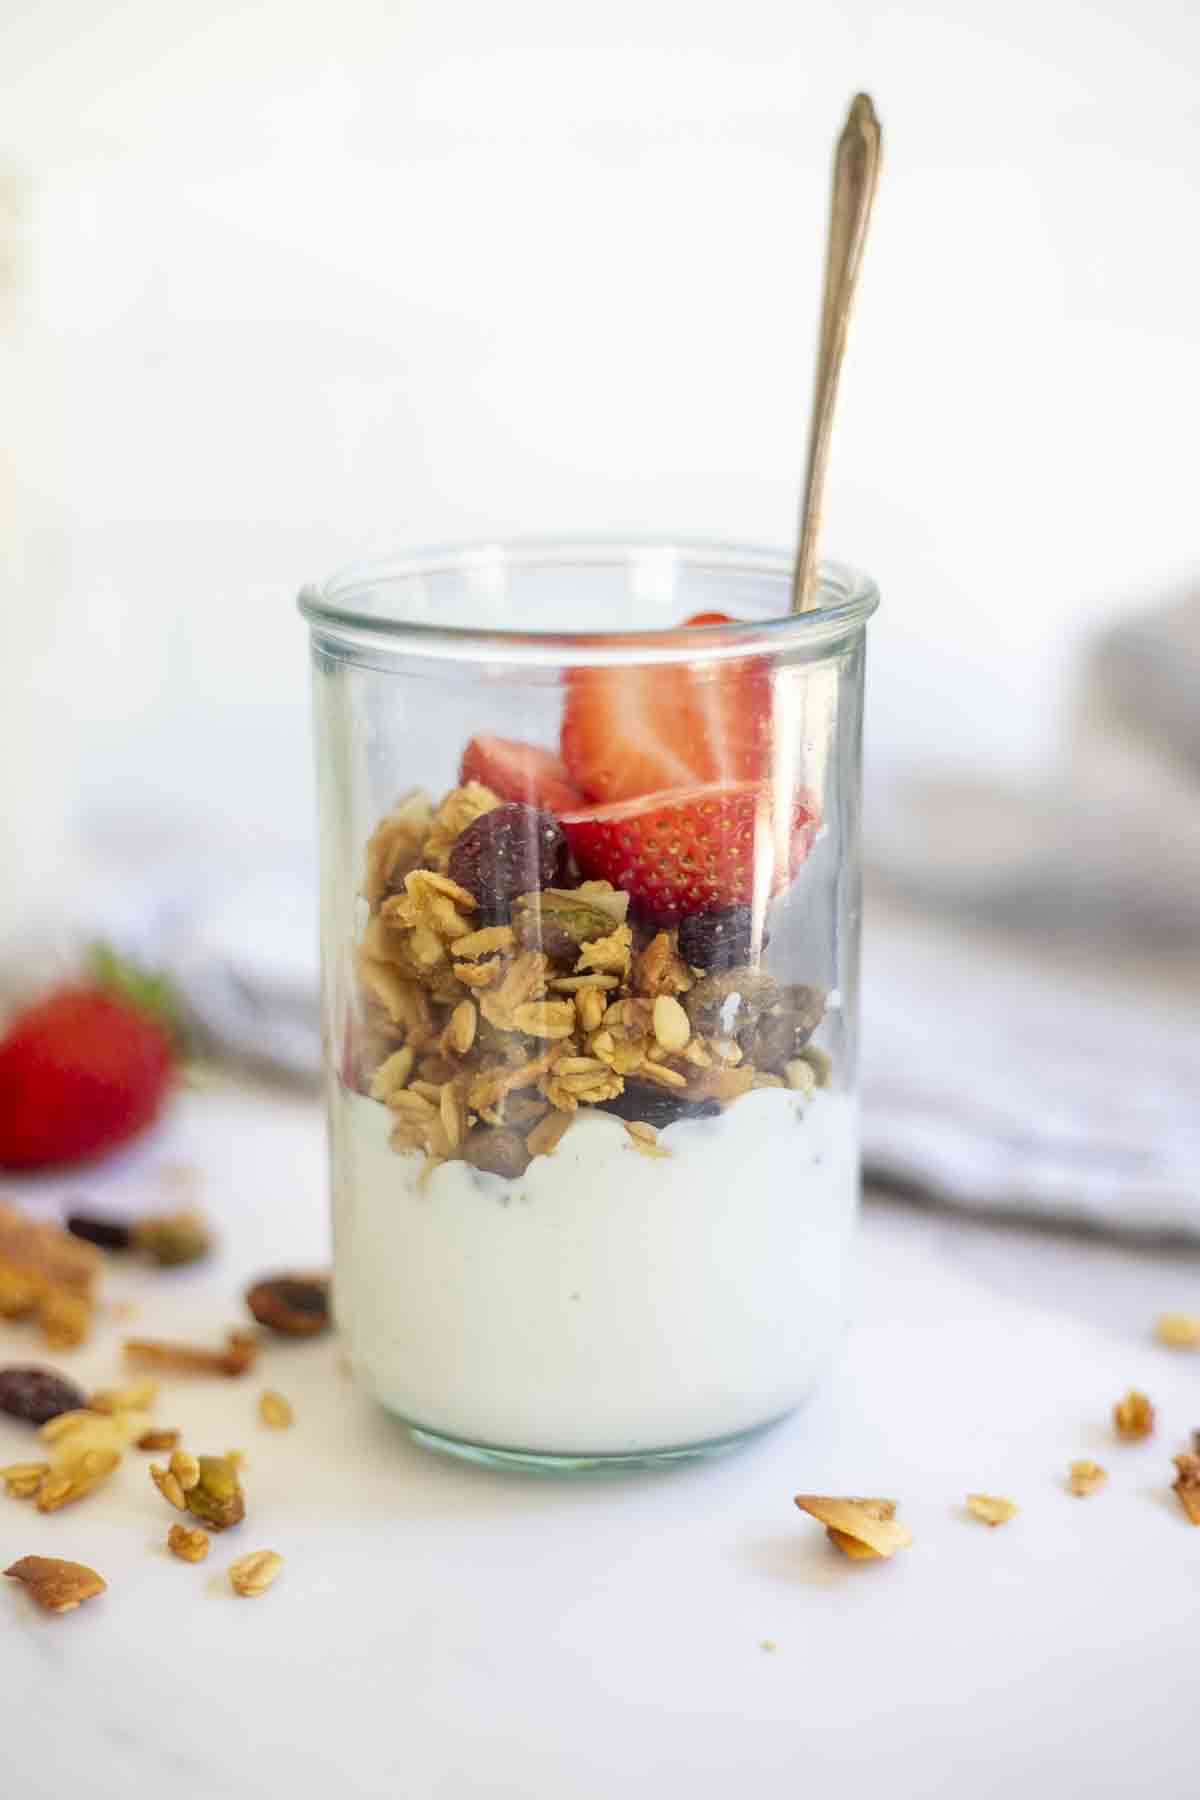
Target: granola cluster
(484, 1038)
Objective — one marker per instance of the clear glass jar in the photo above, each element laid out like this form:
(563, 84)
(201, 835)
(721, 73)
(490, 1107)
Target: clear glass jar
(590, 906)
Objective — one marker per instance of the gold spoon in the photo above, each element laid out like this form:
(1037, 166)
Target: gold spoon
(855, 174)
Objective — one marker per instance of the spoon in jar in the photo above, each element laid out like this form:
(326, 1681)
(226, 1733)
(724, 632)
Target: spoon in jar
(855, 175)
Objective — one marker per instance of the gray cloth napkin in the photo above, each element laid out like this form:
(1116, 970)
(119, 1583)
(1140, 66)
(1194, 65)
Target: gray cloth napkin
(1038, 1049)
(1000, 1076)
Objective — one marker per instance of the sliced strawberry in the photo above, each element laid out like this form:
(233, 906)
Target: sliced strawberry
(695, 849)
(519, 771)
(709, 618)
(628, 732)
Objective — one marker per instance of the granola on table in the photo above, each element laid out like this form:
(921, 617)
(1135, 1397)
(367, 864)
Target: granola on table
(499, 994)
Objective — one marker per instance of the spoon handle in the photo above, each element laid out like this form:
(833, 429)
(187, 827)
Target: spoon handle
(855, 175)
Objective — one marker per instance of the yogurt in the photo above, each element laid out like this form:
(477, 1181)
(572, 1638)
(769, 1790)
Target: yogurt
(605, 1303)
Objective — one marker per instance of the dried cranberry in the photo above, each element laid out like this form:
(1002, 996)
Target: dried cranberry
(38, 1394)
(106, 1234)
(720, 940)
(657, 1106)
(296, 1305)
(509, 851)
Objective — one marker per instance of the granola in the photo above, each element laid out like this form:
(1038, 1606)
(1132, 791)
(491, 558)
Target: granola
(1180, 1331)
(188, 1545)
(992, 1509)
(486, 1019)
(49, 1275)
(860, 1529)
(275, 1409)
(1085, 1476)
(254, 1573)
(238, 1355)
(1187, 1484)
(1133, 1415)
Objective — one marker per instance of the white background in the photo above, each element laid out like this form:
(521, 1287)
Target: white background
(294, 283)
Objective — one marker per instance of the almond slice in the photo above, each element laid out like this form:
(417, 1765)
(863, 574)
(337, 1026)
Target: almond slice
(869, 1525)
(56, 1585)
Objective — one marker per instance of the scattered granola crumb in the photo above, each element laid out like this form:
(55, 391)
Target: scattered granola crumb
(1181, 1331)
(548, 1133)
(993, 1509)
(22, 1480)
(241, 1348)
(800, 1075)
(769, 1644)
(1133, 1415)
(860, 1529)
(644, 1138)
(158, 1440)
(254, 1573)
(74, 1432)
(57, 1586)
(1187, 1484)
(136, 1396)
(274, 1409)
(70, 1482)
(65, 1318)
(1085, 1476)
(188, 1545)
(168, 1486)
(185, 1468)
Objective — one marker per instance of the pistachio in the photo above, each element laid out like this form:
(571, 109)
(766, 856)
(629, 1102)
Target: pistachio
(558, 922)
(217, 1497)
(730, 1001)
(780, 1034)
(173, 1239)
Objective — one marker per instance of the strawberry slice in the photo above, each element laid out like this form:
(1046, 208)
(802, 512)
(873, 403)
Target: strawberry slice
(692, 850)
(630, 732)
(519, 771)
(710, 618)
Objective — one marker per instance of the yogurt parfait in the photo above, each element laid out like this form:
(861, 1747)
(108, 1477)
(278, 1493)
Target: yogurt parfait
(589, 1011)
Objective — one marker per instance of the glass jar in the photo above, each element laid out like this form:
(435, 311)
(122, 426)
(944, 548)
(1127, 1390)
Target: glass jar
(590, 907)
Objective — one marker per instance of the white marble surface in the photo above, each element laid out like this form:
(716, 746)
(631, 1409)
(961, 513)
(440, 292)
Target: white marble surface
(444, 1632)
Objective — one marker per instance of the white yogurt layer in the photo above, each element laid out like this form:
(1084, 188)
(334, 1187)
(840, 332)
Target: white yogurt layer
(606, 1302)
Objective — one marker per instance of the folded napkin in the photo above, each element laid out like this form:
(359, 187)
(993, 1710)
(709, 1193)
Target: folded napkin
(999, 1075)
(1033, 1046)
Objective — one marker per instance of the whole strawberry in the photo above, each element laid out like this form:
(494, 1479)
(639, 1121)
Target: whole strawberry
(83, 1070)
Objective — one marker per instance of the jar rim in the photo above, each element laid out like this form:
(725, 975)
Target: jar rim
(337, 608)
